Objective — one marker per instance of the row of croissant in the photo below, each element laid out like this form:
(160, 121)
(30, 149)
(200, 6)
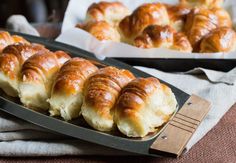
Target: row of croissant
(107, 98)
(190, 26)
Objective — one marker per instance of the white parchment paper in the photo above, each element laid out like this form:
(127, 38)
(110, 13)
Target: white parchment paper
(76, 12)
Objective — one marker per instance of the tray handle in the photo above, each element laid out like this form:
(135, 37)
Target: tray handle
(172, 141)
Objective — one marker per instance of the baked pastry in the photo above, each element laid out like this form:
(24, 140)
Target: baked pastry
(202, 3)
(177, 15)
(111, 12)
(181, 43)
(147, 14)
(38, 73)
(67, 92)
(199, 23)
(101, 30)
(219, 40)
(100, 94)
(11, 61)
(143, 105)
(155, 36)
(6, 39)
(224, 19)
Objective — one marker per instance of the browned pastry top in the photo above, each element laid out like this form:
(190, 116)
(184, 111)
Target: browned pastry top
(155, 36)
(177, 12)
(13, 56)
(72, 75)
(43, 65)
(103, 87)
(202, 3)
(199, 23)
(5, 39)
(224, 19)
(134, 94)
(181, 42)
(219, 40)
(146, 14)
(101, 30)
(107, 11)
(19, 39)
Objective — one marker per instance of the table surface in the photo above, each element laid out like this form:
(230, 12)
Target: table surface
(219, 145)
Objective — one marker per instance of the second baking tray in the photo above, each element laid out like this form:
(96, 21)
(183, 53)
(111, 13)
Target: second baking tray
(169, 140)
(182, 64)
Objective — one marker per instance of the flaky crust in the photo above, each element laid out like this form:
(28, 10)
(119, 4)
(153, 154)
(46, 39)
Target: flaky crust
(11, 61)
(42, 66)
(155, 36)
(38, 74)
(72, 75)
(202, 3)
(101, 30)
(219, 40)
(6, 39)
(111, 12)
(143, 105)
(100, 94)
(181, 43)
(177, 15)
(13, 56)
(199, 23)
(145, 15)
(224, 19)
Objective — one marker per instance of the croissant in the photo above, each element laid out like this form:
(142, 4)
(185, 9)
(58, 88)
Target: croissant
(224, 19)
(111, 12)
(181, 43)
(66, 96)
(11, 61)
(101, 30)
(177, 15)
(155, 36)
(219, 40)
(37, 75)
(100, 94)
(143, 105)
(198, 24)
(148, 14)
(202, 3)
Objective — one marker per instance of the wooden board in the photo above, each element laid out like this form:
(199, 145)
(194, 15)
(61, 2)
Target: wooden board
(172, 141)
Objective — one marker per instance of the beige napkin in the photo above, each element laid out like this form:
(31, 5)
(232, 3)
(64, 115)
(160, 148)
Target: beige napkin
(19, 138)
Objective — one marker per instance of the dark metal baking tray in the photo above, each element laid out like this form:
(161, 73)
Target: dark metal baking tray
(138, 146)
(182, 64)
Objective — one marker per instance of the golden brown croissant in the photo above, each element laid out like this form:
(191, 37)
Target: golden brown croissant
(155, 36)
(199, 23)
(100, 94)
(38, 73)
(224, 19)
(11, 61)
(145, 15)
(111, 12)
(143, 105)
(101, 30)
(219, 40)
(177, 15)
(67, 92)
(6, 39)
(202, 3)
